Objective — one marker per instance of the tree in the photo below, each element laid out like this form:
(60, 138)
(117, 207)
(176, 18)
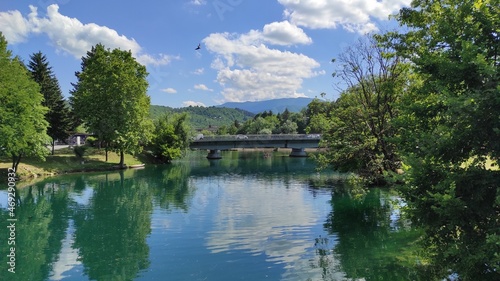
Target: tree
(58, 115)
(360, 128)
(318, 114)
(23, 129)
(170, 137)
(288, 127)
(450, 129)
(110, 98)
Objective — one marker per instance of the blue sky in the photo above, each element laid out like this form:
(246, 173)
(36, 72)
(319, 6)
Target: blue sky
(250, 49)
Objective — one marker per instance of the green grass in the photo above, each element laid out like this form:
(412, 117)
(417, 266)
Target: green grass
(65, 161)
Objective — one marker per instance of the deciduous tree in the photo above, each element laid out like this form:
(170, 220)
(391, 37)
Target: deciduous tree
(110, 98)
(450, 127)
(23, 128)
(170, 137)
(360, 129)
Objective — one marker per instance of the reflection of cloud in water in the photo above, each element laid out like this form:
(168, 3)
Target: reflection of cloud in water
(68, 257)
(84, 198)
(275, 220)
(4, 198)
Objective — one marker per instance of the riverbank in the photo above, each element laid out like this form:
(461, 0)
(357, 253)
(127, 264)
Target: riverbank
(64, 161)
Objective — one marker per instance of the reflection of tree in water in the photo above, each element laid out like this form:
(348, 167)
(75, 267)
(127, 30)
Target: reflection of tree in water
(111, 232)
(170, 185)
(41, 226)
(369, 244)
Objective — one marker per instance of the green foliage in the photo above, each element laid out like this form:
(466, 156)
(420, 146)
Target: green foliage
(23, 128)
(58, 114)
(269, 123)
(359, 124)
(319, 114)
(171, 137)
(91, 141)
(451, 117)
(203, 117)
(80, 150)
(110, 98)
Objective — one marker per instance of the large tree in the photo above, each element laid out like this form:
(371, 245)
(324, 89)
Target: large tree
(361, 120)
(111, 100)
(451, 129)
(23, 129)
(58, 115)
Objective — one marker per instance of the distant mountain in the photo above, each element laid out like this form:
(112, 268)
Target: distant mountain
(203, 117)
(276, 105)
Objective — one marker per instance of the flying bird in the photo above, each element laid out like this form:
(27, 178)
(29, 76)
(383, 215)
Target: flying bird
(199, 47)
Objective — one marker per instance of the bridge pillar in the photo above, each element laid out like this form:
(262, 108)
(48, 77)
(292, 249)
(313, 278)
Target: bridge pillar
(214, 154)
(298, 152)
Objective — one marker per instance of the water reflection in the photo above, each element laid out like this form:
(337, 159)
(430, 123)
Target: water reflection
(111, 231)
(245, 217)
(374, 243)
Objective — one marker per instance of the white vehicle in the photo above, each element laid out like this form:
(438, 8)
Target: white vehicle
(241, 137)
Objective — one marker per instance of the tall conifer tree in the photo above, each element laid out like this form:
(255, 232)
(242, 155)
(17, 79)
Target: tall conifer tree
(58, 114)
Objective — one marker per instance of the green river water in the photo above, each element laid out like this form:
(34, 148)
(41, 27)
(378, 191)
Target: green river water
(244, 217)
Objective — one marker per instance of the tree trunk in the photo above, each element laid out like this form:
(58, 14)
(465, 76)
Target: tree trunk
(106, 151)
(122, 159)
(53, 144)
(15, 161)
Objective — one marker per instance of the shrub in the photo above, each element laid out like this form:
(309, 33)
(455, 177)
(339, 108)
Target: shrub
(91, 141)
(80, 151)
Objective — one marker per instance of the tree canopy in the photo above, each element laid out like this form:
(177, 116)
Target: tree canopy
(450, 128)
(110, 98)
(358, 126)
(23, 128)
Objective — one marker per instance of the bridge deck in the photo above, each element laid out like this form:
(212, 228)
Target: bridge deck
(298, 141)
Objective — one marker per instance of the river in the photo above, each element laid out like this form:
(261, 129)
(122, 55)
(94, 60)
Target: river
(248, 216)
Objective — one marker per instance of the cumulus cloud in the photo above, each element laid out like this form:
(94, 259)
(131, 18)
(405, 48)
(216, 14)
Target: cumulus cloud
(277, 33)
(202, 87)
(70, 35)
(354, 15)
(169, 90)
(193, 103)
(252, 72)
(284, 33)
(14, 26)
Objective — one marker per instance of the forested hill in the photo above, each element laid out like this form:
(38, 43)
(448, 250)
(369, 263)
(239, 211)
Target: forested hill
(274, 105)
(202, 117)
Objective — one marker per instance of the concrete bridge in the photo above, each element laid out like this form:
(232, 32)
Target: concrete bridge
(297, 142)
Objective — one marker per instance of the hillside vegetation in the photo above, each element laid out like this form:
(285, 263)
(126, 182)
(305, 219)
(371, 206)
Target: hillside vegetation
(203, 117)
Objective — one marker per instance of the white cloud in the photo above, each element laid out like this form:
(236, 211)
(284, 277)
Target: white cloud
(193, 103)
(249, 71)
(277, 33)
(14, 26)
(169, 90)
(284, 33)
(354, 15)
(198, 2)
(72, 36)
(202, 87)
(199, 71)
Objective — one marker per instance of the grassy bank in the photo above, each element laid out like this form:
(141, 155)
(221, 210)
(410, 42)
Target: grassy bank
(64, 161)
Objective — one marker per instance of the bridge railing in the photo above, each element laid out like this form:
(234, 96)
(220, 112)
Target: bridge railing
(259, 137)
